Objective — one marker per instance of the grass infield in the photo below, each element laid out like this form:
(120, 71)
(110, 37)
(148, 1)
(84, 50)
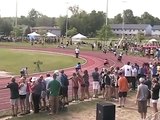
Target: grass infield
(13, 60)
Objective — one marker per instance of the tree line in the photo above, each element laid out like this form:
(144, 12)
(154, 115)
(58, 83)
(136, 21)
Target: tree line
(89, 24)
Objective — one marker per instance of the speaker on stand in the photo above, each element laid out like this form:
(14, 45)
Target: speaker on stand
(105, 111)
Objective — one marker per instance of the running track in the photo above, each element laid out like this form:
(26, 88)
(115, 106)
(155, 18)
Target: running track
(93, 59)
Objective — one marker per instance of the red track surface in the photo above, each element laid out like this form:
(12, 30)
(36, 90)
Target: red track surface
(93, 58)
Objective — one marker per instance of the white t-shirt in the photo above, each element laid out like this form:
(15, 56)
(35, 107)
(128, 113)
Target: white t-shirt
(134, 72)
(48, 80)
(76, 50)
(127, 70)
(23, 89)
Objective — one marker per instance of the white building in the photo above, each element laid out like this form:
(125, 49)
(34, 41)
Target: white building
(45, 29)
(156, 31)
(131, 29)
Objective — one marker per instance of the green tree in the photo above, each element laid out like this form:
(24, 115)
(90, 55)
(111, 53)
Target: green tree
(74, 9)
(72, 31)
(118, 19)
(45, 21)
(147, 18)
(105, 33)
(33, 15)
(5, 27)
(129, 17)
(23, 20)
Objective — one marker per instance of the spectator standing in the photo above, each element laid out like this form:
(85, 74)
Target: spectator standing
(86, 82)
(48, 79)
(82, 86)
(122, 89)
(54, 88)
(65, 84)
(134, 77)
(22, 94)
(14, 95)
(141, 98)
(96, 77)
(155, 94)
(36, 94)
(107, 80)
(148, 82)
(75, 87)
(43, 94)
(128, 72)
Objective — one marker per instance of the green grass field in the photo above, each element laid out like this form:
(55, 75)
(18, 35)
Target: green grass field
(13, 60)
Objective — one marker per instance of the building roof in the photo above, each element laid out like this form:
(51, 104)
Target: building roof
(46, 28)
(130, 26)
(156, 27)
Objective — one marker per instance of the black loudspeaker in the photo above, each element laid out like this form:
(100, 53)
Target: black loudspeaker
(105, 111)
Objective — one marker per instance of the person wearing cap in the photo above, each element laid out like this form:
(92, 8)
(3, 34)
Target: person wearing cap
(14, 97)
(54, 88)
(141, 98)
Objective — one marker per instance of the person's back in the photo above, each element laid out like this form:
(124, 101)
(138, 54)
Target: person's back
(95, 76)
(48, 80)
(123, 84)
(14, 90)
(143, 92)
(54, 88)
(64, 80)
(127, 70)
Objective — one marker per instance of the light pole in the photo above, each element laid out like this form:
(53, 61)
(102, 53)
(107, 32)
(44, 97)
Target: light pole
(16, 19)
(123, 22)
(107, 13)
(66, 21)
(106, 21)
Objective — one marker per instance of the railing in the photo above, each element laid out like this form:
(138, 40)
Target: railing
(155, 116)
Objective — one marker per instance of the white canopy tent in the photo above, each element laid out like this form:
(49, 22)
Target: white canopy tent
(32, 36)
(78, 37)
(50, 34)
(152, 40)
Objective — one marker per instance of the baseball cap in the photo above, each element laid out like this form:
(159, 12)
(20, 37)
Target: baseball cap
(141, 80)
(56, 72)
(34, 79)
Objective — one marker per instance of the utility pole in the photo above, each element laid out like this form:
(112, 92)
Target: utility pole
(0, 13)
(123, 22)
(67, 21)
(106, 22)
(16, 20)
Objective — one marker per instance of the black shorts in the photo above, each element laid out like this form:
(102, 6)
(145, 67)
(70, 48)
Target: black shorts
(65, 91)
(22, 97)
(129, 79)
(102, 86)
(149, 95)
(122, 94)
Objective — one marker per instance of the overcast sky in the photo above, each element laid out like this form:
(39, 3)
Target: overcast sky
(55, 8)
